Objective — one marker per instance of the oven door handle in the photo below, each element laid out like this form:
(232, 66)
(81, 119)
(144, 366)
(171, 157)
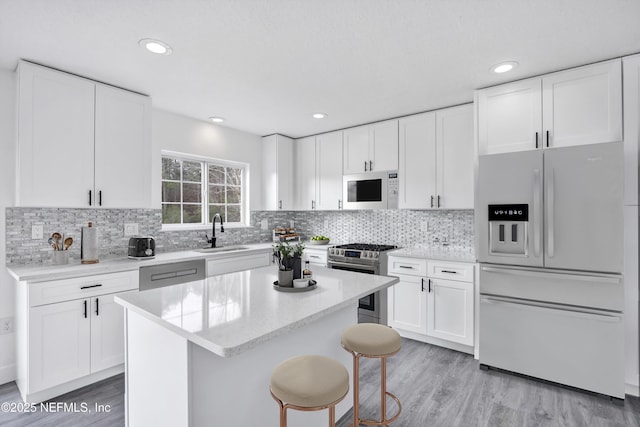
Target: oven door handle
(330, 264)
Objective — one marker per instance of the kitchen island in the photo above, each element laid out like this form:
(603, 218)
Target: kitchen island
(202, 353)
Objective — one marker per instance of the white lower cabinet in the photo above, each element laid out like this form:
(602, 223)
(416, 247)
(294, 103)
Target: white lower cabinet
(70, 333)
(433, 302)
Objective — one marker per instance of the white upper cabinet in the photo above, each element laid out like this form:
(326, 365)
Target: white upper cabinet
(371, 148)
(510, 117)
(122, 143)
(631, 128)
(456, 154)
(329, 171)
(583, 105)
(417, 171)
(55, 138)
(437, 159)
(76, 139)
(277, 172)
(318, 172)
(305, 173)
(573, 107)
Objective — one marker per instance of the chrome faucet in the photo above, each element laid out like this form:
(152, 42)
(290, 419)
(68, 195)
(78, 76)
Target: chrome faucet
(213, 230)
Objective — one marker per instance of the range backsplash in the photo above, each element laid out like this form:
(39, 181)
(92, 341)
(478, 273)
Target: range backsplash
(453, 229)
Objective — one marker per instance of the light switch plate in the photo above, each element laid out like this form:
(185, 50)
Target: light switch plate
(130, 228)
(37, 231)
(292, 224)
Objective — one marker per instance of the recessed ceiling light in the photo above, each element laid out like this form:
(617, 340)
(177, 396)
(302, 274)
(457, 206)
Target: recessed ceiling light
(319, 115)
(156, 46)
(503, 67)
(216, 119)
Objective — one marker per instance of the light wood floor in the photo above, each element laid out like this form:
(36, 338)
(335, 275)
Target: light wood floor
(437, 387)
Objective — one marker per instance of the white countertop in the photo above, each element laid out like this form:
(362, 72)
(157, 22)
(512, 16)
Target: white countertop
(45, 272)
(443, 254)
(232, 313)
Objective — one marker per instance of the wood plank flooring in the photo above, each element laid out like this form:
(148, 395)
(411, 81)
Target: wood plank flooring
(437, 387)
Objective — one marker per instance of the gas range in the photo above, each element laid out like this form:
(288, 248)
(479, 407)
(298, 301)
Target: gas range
(369, 259)
(358, 253)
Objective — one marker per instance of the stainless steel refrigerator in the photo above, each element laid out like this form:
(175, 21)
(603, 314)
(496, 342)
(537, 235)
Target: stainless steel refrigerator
(550, 243)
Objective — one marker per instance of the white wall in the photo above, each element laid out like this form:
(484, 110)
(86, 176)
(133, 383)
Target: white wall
(186, 135)
(7, 180)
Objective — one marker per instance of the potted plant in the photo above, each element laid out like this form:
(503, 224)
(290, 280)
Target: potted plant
(289, 259)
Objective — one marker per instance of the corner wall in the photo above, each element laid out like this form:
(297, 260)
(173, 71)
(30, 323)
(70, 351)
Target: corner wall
(7, 190)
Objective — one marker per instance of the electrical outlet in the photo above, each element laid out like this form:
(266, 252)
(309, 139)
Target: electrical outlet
(292, 224)
(130, 228)
(37, 231)
(424, 226)
(264, 224)
(6, 325)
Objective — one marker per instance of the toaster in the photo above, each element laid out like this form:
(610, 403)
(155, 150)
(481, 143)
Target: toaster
(142, 247)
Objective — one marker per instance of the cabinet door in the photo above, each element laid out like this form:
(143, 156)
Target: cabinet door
(55, 138)
(277, 172)
(383, 151)
(122, 148)
(583, 105)
(407, 304)
(329, 171)
(356, 150)
(450, 310)
(417, 171)
(455, 151)
(58, 343)
(285, 172)
(305, 176)
(510, 117)
(107, 333)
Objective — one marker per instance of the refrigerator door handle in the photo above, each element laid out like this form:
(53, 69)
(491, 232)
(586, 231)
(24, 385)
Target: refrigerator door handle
(549, 275)
(542, 307)
(537, 211)
(550, 214)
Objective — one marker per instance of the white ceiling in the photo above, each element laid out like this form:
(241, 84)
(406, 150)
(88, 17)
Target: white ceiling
(267, 65)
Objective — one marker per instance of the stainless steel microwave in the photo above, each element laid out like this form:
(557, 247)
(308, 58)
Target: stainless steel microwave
(371, 190)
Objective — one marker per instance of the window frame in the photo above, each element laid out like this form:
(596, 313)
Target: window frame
(204, 182)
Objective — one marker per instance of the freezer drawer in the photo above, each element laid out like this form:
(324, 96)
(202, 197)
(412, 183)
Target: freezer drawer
(579, 348)
(603, 291)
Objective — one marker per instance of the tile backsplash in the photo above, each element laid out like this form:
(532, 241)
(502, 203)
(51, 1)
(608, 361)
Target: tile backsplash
(404, 228)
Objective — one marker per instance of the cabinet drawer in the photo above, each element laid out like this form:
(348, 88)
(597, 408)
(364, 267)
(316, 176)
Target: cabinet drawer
(462, 272)
(318, 257)
(81, 287)
(409, 266)
(230, 265)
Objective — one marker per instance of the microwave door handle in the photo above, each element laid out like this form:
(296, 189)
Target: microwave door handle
(537, 212)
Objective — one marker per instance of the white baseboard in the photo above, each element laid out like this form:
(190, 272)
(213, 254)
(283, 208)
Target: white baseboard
(7, 373)
(632, 389)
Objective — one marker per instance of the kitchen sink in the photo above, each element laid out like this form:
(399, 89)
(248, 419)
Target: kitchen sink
(222, 249)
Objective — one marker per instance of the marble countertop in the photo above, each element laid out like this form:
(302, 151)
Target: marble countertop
(232, 313)
(45, 272)
(442, 254)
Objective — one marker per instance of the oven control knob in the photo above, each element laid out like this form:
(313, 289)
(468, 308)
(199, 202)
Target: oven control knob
(331, 251)
(377, 254)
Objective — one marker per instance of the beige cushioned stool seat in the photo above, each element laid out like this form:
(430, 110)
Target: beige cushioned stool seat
(371, 339)
(309, 381)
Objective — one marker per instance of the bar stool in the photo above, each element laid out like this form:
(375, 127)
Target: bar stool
(309, 383)
(373, 341)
